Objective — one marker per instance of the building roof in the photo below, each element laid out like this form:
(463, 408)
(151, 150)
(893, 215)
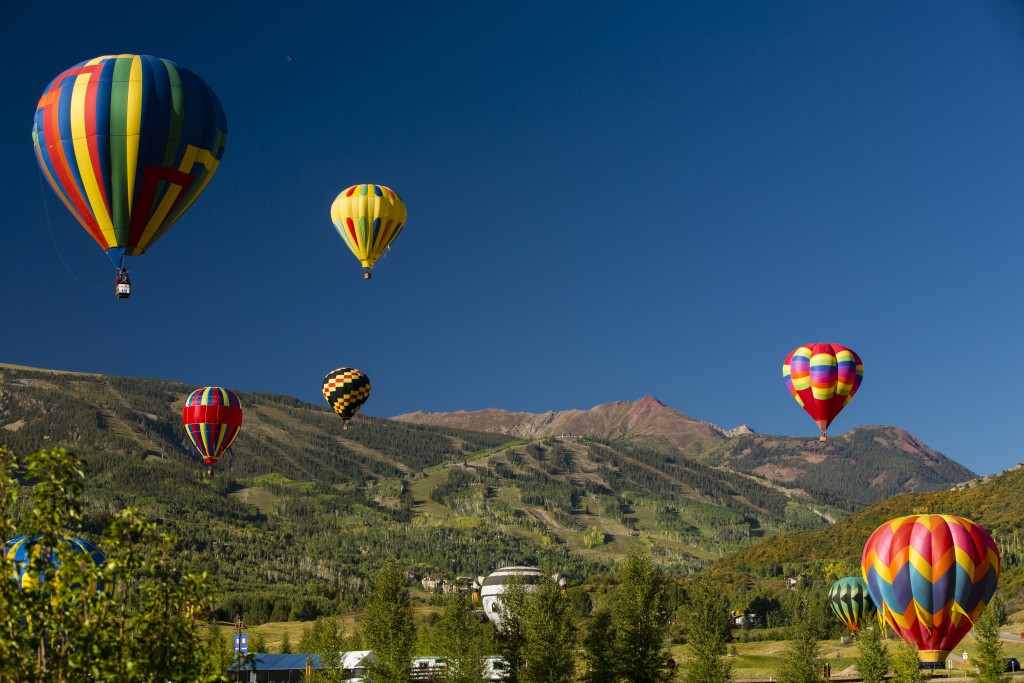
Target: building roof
(268, 662)
(352, 659)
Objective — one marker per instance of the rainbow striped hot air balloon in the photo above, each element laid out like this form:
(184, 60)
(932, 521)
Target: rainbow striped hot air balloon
(850, 600)
(212, 418)
(23, 550)
(128, 142)
(931, 576)
(823, 378)
(368, 218)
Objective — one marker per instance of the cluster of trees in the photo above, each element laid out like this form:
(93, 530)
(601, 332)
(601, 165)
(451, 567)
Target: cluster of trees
(72, 619)
(125, 619)
(540, 636)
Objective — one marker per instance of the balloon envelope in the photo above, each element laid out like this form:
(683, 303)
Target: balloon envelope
(851, 602)
(212, 418)
(822, 378)
(21, 551)
(346, 390)
(931, 576)
(495, 583)
(128, 142)
(368, 218)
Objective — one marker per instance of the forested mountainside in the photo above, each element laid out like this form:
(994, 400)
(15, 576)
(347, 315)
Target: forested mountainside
(295, 521)
(863, 466)
(994, 502)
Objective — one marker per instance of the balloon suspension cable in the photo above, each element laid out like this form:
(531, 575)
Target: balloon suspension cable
(56, 246)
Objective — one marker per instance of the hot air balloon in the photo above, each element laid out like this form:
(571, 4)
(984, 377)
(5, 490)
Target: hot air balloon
(197, 611)
(488, 590)
(850, 600)
(823, 378)
(21, 552)
(128, 142)
(931, 576)
(212, 417)
(494, 585)
(368, 218)
(346, 389)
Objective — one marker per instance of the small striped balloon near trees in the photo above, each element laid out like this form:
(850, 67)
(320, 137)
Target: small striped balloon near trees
(850, 600)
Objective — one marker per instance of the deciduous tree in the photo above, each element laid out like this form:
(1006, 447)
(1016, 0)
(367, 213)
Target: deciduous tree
(707, 631)
(550, 644)
(990, 662)
(873, 659)
(802, 662)
(907, 665)
(458, 638)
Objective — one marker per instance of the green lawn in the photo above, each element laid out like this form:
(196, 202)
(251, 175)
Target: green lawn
(762, 660)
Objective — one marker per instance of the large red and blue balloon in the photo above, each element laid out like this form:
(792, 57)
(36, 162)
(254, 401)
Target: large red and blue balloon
(128, 142)
(823, 378)
(931, 576)
(212, 418)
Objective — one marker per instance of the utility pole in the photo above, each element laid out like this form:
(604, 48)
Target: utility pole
(239, 627)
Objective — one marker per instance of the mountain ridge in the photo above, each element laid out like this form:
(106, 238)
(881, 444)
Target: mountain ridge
(785, 460)
(645, 416)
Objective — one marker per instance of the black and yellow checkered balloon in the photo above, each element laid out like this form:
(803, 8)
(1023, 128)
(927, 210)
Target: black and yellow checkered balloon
(346, 389)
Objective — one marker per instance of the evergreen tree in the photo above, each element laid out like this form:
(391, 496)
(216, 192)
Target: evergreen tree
(707, 630)
(599, 663)
(550, 633)
(459, 639)
(511, 632)
(802, 661)
(873, 659)
(640, 610)
(286, 644)
(258, 643)
(388, 628)
(220, 648)
(990, 662)
(907, 665)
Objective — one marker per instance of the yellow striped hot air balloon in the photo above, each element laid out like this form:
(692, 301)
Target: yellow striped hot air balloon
(368, 218)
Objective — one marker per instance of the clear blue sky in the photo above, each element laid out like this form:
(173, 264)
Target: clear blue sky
(604, 203)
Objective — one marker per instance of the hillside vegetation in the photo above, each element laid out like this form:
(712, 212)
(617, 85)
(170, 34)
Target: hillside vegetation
(292, 525)
(824, 555)
(863, 466)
